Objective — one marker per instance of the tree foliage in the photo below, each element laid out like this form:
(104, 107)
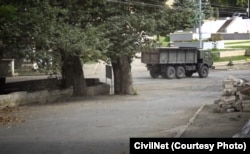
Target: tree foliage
(64, 33)
(12, 37)
(227, 8)
(54, 34)
(188, 12)
(124, 24)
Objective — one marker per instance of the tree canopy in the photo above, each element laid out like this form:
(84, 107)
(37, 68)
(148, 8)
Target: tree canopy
(227, 8)
(64, 34)
(188, 12)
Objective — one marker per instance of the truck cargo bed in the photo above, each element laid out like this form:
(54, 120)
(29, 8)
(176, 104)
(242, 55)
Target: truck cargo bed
(170, 56)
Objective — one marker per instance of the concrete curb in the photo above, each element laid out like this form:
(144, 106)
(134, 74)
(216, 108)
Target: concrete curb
(240, 64)
(234, 62)
(191, 121)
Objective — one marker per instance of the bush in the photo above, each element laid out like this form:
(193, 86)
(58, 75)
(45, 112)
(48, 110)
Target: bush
(215, 37)
(167, 38)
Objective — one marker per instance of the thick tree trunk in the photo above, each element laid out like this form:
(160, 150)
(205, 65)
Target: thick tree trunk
(72, 75)
(123, 83)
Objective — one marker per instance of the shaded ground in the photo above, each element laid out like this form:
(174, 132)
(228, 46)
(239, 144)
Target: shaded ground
(211, 124)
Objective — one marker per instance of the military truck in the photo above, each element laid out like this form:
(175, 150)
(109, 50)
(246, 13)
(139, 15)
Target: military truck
(173, 62)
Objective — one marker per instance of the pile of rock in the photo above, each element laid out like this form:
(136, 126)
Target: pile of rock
(235, 95)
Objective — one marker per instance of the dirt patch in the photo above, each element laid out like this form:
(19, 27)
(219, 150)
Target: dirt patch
(211, 124)
(8, 116)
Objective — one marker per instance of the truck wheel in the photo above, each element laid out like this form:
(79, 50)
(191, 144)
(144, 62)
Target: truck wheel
(189, 73)
(203, 72)
(180, 72)
(170, 74)
(154, 74)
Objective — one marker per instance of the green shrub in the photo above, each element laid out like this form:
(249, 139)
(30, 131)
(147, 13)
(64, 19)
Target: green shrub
(167, 38)
(215, 37)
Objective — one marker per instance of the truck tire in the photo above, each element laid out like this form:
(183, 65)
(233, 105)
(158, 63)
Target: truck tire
(203, 72)
(154, 74)
(170, 74)
(180, 72)
(189, 73)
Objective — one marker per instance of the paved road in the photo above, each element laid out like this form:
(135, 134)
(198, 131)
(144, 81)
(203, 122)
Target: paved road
(104, 124)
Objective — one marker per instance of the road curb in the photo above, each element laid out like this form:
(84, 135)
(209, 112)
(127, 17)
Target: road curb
(191, 121)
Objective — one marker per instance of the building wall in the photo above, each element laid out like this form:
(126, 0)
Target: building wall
(206, 45)
(238, 25)
(188, 36)
(211, 26)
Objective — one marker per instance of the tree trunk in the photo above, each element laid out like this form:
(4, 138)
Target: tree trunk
(123, 83)
(72, 75)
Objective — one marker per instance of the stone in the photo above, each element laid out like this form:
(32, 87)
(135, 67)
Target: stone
(228, 92)
(245, 90)
(217, 101)
(226, 106)
(245, 101)
(238, 82)
(227, 83)
(228, 86)
(246, 107)
(244, 97)
(238, 105)
(231, 110)
(228, 99)
(219, 109)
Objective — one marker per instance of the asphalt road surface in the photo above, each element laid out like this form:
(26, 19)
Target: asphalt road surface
(104, 124)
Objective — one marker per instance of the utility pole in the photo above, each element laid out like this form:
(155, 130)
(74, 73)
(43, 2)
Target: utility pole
(248, 9)
(200, 18)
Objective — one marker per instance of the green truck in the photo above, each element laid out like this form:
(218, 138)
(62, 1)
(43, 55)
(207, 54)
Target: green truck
(170, 62)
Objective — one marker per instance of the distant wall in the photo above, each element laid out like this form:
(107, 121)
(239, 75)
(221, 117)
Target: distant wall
(42, 84)
(23, 97)
(239, 25)
(232, 53)
(185, 36)
(206, 45)
(212, 26)
(45, 91)
(33, 85)
(235, 36)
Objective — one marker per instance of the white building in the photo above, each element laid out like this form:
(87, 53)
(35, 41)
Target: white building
(234, 28)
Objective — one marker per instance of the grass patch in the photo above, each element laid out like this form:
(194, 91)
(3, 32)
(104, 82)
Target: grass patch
(164, 44)
(240, 47)
(239, 42)
(244, 44)
(163, 41)
(234, 58)
(219, 50)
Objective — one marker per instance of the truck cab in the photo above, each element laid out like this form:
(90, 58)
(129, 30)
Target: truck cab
(205, 57)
